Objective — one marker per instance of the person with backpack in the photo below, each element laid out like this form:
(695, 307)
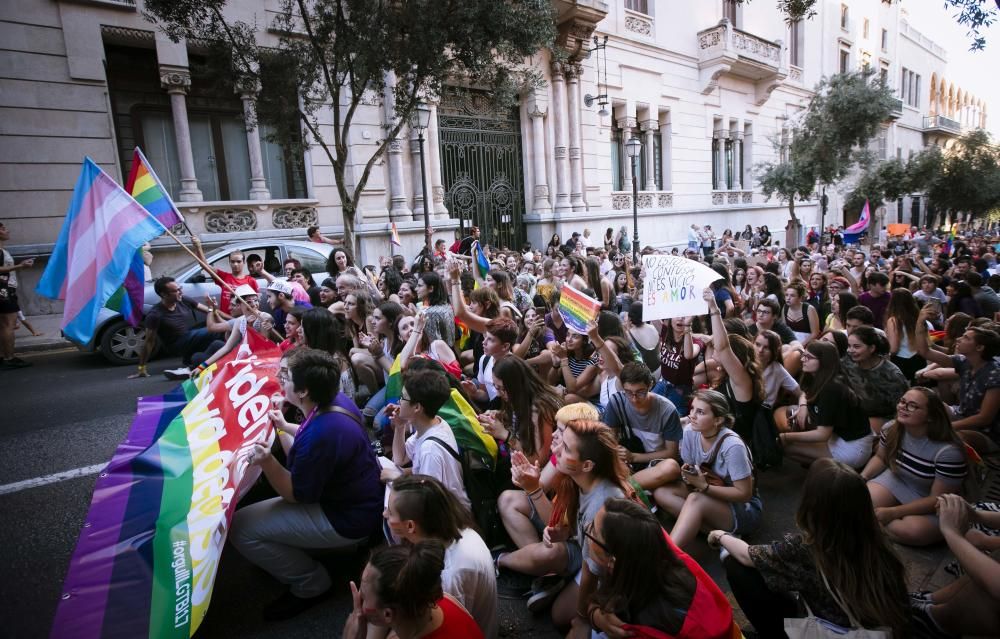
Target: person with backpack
(428, 450)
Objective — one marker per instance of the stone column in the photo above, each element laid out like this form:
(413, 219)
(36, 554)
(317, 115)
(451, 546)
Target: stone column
(176, 82)
(537, 112)
(258, 184)
(559, 128)
(627, 124)
(434, 157)
(649, 128)
(573, 72)
(665, 153)
(398, 208)
(737, 160)
(418, 193)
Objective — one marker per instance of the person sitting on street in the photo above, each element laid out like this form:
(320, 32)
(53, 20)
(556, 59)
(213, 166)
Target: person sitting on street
(171, 322)
(281, 299)
(237, 326)
(329, 496)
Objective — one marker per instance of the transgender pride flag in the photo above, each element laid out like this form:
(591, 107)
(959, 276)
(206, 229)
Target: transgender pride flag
(104, 228)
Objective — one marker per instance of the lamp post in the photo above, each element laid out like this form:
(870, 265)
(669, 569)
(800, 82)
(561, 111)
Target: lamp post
(419, 120)
(632, 148)
(823, 202)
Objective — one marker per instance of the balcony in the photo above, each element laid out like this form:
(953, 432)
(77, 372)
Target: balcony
(897, 109)
(941, 124)
(622, 200)
(723, 50)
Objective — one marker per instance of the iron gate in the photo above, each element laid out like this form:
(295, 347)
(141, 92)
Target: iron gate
(481, 166)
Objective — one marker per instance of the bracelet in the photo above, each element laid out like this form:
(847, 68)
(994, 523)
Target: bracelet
(590, 616)
(532, 494)
(142, 368)
(705, 489)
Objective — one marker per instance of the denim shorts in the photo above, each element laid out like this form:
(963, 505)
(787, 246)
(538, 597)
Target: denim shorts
(746, 516)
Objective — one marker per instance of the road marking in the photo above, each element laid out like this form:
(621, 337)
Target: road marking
(54, 478)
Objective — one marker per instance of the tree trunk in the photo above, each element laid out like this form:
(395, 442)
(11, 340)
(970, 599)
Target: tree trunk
(350, 240)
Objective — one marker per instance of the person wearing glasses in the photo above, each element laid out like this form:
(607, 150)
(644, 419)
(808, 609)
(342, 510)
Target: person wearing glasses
(828, 421)
(919, 458)
(647, 581)
(329, 495)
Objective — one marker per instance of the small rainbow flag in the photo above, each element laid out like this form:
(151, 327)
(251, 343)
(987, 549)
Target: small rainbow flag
(394, 235)
(577, 309)
(952, 236)
(479, 257)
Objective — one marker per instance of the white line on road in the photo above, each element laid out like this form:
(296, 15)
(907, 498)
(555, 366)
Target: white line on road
(54, 478)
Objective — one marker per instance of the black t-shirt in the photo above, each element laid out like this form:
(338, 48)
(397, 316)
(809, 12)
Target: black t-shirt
(465, 248)
(172, 325)
(779, 327)
(838, 407)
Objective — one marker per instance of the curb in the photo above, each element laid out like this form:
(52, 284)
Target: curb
(44, 345)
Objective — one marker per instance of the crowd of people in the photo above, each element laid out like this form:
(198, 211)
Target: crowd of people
(455, 415)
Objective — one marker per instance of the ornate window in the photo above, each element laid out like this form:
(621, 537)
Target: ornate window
(640, 6)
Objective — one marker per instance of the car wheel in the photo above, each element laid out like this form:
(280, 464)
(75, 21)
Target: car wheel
(121, 343)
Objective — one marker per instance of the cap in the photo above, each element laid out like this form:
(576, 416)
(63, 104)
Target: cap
(329, 283)
(280, 287)
(245, 290)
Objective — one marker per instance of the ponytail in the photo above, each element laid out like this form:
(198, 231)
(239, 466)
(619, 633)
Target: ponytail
(409, 577)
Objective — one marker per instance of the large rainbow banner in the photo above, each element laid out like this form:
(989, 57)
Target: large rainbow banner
(148, 552)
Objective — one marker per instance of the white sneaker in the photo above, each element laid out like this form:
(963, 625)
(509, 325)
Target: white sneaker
(178, 373)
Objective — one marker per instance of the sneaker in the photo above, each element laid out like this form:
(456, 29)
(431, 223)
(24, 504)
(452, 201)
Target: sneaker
(513, 585)
(178, 373)
(920, 597)
(922, 624)
(14, 362)
(288, 605)
(544, 591)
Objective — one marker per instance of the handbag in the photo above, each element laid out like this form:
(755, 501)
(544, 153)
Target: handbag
(711, 476)
(767, 453)
(813, 627)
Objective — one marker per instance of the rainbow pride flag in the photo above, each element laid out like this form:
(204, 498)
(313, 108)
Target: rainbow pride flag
(482, 265)
(394, 235)
(104, 229)
(146, 188)
(577, 309)
(952, 236)
(146, 558)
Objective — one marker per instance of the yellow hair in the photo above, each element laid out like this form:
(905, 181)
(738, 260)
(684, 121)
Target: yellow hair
(579, 410)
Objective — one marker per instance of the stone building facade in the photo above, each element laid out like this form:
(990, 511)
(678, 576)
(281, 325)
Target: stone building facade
(709, 88)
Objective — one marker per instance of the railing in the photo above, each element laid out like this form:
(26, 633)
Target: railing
(723, 38)
(247, 216)
(897, 109)
(622, 200)
(941, 122)
(795, 73)
(121, 4)
(730, 198)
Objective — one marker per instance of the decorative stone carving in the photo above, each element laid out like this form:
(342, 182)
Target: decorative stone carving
(294, 217)
(179, 229)
(230, 221)
(733, 197)
(757, 47)
(641, 26)
(175, 80)
(560, 152)
(665, 200)
(794, 74)
(645, 200)
(621, 202)
(649, 125)
(748, 197)
(438, 192)
(126, 35)
(626, 123)
(395, 145)
(709, 39)
(558, 69)
(541, 191)
(717, 197)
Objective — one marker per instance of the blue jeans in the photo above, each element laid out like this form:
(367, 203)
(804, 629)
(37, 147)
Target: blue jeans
(196, 346)
(678, 395)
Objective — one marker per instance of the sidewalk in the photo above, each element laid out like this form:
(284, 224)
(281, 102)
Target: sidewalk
(50, 338)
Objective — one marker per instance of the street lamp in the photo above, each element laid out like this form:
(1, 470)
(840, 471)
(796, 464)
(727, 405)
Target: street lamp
(420, 118)
(632, 148)
(824, 201)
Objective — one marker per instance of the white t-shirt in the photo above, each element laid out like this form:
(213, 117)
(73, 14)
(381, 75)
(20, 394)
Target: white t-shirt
(431, 458)
(485, 377)
(776, 378)
(470, 577)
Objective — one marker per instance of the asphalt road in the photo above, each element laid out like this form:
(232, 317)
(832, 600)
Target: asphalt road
(71, 410)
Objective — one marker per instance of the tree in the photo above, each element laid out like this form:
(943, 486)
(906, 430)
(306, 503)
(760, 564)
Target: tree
(843, 116)
(969, 178)
(880, 181)
(333, 56)
(975, 15)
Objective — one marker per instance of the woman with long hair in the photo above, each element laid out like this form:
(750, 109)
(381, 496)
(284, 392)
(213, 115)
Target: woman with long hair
(818, 297)
(419, 508)
(772, 288)
(574, 365)
(747, 233)
(555, 243)
(546, 284)
(752, 291)
(609, 239)
(799, 316)
(401, 590)
(716, 487)
(408, 296)
(778, 383)
(901, 329)
(419, 343)
(725, 294)
(440, 319)
(878, 382)
(732, 369)
(623, 292)
(384, 344)
(326, 332)
(571, 272)
(839, 305)
(293, 329)
(591, 470)
(527, 417)
(649, 582)
(679, 351)
(501, 282)
(600, 285)
(840, 547)
(358, 307)
(919, 458)
(829, 421)
(961, 300)
(532, 344)
(339, 261)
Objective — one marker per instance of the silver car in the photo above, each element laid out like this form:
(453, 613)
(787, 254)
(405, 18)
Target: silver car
(120, 343)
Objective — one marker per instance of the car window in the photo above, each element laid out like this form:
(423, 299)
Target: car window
(308, 258)
(270, 254)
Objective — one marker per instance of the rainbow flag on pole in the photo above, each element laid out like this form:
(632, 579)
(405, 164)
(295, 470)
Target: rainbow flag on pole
(394, 235)
(146, 188)
(104, 229)
(952, 236)
(577, 309)
(147, 556)
(852, 234)
(482, 265)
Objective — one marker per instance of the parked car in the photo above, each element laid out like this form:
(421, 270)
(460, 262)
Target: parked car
(120, 343)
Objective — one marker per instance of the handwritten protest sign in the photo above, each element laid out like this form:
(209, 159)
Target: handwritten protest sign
(673, 286)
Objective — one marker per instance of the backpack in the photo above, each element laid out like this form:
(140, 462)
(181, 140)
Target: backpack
(482, 488)
(763, 444)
